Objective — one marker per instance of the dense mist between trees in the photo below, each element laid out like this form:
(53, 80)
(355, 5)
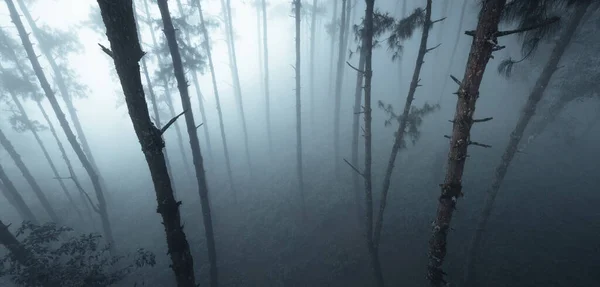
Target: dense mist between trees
(299, 143)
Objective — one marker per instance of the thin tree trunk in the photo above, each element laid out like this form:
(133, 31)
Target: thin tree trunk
(169, 31)
(7, 145)
(311, 74)
(217, 98)
(459, 31)
(331, 47)
(403, 15)
(236, 77)
(356, 127)
(338, 88)
(62, 87)
(516, 135)
(118, 16)
(15, 198)
(63, 122)
(169, 99)
(367, 41)
(399, 138)
(265, 46)
(299, 169)
(481, 51)
(260, 47)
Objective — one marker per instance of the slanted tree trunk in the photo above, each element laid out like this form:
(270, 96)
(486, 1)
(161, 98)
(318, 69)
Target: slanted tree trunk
(217, 98)
(311, 73)
(37, 68)
(236, 78)
(169, 31)
(332, 45)
(455, 47)
(515, 137)
(118, 16)
(62, 87)
(482, 46)
(404, 119)
(265, 46)
(23, 255)
(299, 169)
(168, 98)
(15, 198)
(338, 88)
(7, 145)
(356, 126)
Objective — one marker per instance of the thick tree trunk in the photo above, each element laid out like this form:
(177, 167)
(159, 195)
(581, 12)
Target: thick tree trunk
(338, 88)
(169, 31)
(299, 169)
(217, 98)
(356, 127)
(311, 73)
(236, 78)
(63, 122)
(62, 87)
(118, 16)
(23, 255)
(169, 100)
(459, 31)
(481, 51)
(399, 135)
(7, 145)
(516, 135)
(14, 198)
(265, 46)
(332, 45)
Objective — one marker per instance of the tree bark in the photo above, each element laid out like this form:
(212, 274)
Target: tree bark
(63, 122)
(15, 198)
(338, 88)
(454, 48)
(266, 75)
(169, 31)
(217, 98)
(399, 135)
(299, 170)
(356, 126)
(118, 16)
(516, 135)
(481, 51)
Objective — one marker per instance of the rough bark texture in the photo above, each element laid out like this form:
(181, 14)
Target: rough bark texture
(169, 31)
(7, 145)
(451, 189)
(515, 137)
(14, 198)
(299, 170)
(217, 98)
(265, 46)
(356, 127)
(87, 165)
(399, 138)
(338, 87)
(118, 17)
(454, 48)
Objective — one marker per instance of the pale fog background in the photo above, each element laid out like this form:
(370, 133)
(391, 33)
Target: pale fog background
(544, 230)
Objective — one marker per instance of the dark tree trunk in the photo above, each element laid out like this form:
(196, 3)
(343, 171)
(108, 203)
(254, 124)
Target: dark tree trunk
(332, 46)
(311, 73)
(266, 67)
(338, 87)
(299, 169)
(37, 68)
(62, 87)
(14, 198)
(455, 47)
(367, 42)
(515, 137)
(195, 145)
(118, 16)
(236, 77)
(356, 127)
(217, 98)
(169, 100)
(28, 176)
(481, 51)
(24, 256)
(399, 135)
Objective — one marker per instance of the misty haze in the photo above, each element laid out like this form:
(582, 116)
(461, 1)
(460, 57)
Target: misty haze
(299, 143)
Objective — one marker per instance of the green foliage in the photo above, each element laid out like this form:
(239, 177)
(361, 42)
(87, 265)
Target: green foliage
(59, 42)
(74, 262)
(20, 124)
(382, 23)
(403, 30)
(413, 121)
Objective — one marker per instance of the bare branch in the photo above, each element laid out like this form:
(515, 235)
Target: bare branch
(470, 33)
(482, 120)
(356, 69)
(431, 49)
(164, 129)
(439, 20)
(456, 80)
(525, 29)
(498, 48)
(479, 144)
(199, 125)
(106, 50)
(354, 168)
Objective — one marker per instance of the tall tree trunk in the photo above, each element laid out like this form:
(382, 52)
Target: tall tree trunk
(217, 98)
(356, 127)
(236, 78)
(481, 51)
(118, 16)
(169, 31)
(311, 73)
(197, 88)
(62, 87)
(515, 137)
(459, 31)
(367, 41)
(299, 169)
(169, 99)
(15, 198)
(399, 135)
(338, 88)
(37, 68)
(7, 145)
(331, 47)
(265, 46)
(402, 15)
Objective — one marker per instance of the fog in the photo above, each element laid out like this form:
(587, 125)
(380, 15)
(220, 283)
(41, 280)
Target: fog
(543, 230)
